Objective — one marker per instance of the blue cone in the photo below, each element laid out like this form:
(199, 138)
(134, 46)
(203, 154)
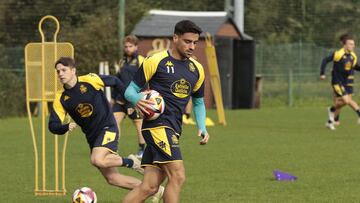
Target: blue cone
(282, 176)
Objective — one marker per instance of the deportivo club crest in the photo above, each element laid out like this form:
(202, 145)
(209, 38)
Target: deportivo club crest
(66, 97)
(83, 89)
(191, 67)
(133, 62)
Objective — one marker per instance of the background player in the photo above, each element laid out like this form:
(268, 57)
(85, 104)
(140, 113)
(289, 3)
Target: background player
(83, 99)
(130, 64)
(176, 76)
(342, 78)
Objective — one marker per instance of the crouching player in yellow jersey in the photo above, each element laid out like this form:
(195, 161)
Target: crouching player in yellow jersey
(83, 99)
(177, 77)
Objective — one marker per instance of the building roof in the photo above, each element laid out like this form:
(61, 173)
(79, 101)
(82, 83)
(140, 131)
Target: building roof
(160, 23)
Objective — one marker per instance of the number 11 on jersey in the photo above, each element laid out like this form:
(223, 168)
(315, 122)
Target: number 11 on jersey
(170, 68)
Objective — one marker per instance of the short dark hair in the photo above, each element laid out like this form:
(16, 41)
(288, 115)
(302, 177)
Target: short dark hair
(66, 61)
(185, 26)
(345, 37)
(131, 39)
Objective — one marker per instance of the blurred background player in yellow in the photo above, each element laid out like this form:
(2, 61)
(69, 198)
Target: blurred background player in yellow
(342, 79)
(83, 99)
(128, 67)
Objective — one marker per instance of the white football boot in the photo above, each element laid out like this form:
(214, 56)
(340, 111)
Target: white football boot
(156, 198)
(137, 164)
(331, 115)
(330, 125)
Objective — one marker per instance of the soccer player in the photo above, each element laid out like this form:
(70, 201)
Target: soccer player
(177, 77)
(130, 64)
(342, 78)
(83, 99)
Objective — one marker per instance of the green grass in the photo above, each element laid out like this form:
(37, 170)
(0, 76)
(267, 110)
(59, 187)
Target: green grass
(307, 90)
(236, 166)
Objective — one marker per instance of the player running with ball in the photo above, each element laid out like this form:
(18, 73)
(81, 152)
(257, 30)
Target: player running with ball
(177, 77)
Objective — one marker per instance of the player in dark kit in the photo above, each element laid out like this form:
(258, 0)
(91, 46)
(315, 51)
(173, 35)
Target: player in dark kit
(177, 77)
(342, 79)
(129, 66)
(83, 99)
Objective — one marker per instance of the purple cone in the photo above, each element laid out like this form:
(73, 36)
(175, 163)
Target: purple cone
(282, 176)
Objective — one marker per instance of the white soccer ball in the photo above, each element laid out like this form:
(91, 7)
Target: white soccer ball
(84, 195)
(156, 109)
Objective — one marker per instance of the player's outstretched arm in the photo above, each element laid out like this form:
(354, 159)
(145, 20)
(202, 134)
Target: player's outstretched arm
(57, 118)
(115, 82)
(133, 95)
(142, 76)
(56, 126)
(324, 62)
(200, 117)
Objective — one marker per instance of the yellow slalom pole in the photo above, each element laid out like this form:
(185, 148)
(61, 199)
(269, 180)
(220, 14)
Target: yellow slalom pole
(63, 159)
(63, 162)
(64, 147)
(56, 164)
(55, 90)
(44, 102)
(32, 128)
(43, 114)
(215, 78)
(35, 147)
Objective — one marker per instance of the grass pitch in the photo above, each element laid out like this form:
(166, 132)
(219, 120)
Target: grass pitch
(236, 165)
